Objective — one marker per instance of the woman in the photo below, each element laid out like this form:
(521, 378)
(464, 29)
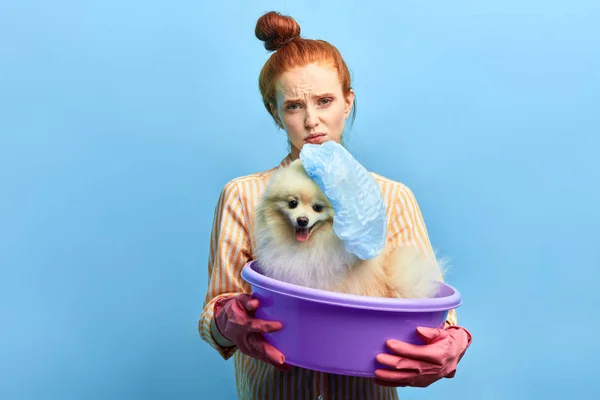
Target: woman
(306, 88)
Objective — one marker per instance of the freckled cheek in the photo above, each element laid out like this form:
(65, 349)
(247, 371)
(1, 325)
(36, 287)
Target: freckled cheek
(335, 123)
(293, 126)
(336, 117)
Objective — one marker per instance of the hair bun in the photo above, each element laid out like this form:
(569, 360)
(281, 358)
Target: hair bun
(274, 29)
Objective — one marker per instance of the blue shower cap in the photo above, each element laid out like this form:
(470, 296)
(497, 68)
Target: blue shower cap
(360, 220)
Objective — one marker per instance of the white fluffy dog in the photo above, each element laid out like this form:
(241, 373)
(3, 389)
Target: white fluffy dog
(295, 243)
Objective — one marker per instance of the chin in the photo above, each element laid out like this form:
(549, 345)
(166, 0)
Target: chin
(313, 256)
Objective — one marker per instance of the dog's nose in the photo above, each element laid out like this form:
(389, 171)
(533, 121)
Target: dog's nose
(302, 221)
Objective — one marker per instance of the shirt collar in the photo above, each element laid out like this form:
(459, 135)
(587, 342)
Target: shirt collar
(286, 161)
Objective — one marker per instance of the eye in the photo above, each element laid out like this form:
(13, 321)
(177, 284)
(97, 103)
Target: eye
(326, 101)
(318, 207)
(293, 106)
(293, 204)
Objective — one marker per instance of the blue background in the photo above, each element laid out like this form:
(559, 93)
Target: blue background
(121, 121)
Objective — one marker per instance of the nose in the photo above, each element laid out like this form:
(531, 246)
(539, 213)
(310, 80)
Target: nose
(302, 221)
(310, 120)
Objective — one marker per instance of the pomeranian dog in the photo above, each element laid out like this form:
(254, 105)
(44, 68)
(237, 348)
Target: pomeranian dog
(295, 243)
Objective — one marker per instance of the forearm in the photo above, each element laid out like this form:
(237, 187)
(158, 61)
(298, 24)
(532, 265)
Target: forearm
(409, 229)
(230, 249)
(209, 332)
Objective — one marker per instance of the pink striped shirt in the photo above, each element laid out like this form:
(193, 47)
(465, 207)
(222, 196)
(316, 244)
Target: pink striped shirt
(231, 247)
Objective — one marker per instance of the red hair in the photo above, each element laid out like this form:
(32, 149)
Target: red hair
(282, 35)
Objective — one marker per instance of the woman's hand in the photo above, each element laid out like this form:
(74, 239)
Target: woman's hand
(235, 321)
(422, 365)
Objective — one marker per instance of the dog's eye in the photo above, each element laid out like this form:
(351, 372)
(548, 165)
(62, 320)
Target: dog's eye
(318, 207)
(293, 203)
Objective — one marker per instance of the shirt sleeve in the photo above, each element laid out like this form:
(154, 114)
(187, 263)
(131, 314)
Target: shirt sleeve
(407, 228)
(229, 252)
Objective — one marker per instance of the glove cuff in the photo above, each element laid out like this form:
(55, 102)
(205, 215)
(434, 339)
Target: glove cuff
(467, 334)
(218, 313)
(462, 338)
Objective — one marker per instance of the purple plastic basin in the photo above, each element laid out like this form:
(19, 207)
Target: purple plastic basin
(340, 333)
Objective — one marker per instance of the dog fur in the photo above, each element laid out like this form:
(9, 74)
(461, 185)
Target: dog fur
(313, 256)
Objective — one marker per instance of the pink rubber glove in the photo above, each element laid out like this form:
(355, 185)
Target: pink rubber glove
(422, 365)
(235, 321)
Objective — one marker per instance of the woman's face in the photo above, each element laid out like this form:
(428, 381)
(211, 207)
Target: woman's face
(311, 106)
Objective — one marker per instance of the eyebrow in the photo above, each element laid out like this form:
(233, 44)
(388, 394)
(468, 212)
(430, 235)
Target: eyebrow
(298, 99)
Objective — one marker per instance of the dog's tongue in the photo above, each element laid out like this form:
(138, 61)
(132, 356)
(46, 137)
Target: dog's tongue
(302, 234)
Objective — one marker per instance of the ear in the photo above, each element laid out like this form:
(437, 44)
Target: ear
(349, 101)
(275, 114)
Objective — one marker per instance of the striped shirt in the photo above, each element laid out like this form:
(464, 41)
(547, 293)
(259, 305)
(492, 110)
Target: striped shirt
(231, 247)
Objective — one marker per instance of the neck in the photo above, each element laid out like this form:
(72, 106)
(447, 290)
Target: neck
(295, 153)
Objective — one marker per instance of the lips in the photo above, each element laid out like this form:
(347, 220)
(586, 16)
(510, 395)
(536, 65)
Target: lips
(315, 138)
